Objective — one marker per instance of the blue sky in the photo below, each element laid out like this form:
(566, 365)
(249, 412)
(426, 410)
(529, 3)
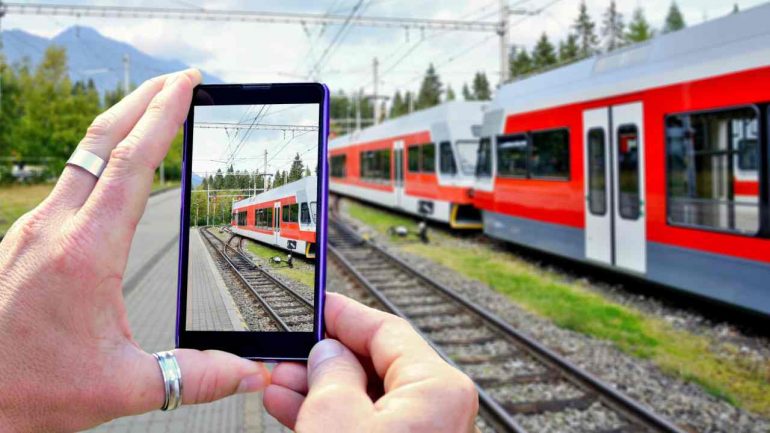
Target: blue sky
(246, 148)
(243, 52)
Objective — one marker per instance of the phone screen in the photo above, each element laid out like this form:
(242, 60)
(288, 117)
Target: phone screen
(253, 211)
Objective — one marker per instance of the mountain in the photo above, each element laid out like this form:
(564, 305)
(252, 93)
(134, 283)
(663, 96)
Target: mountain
(92, 55)
(196, 180)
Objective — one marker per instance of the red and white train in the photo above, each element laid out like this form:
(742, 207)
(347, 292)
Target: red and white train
(652, 160)
(422, 163)
(284, 217)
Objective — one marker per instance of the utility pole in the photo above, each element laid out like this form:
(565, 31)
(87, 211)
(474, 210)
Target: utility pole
(126, 74)
(196, 214)
(376, 94)
(208, 202)
(502, 32)
(264, 174)
(358, 109)
(2, 14)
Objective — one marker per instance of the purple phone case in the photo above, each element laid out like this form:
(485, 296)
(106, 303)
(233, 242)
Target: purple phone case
(319, 328)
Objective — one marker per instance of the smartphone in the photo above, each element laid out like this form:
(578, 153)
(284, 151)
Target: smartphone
(252, 262)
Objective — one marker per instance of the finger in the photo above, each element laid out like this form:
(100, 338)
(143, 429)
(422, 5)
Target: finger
(334, 376)
(283, 404)
(107, 129)
(290, 375)
(383, 337)
(119, 198)
(206, 376)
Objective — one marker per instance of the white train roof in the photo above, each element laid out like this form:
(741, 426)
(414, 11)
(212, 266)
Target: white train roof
(307, 184)
(732, 43)
(456, 113)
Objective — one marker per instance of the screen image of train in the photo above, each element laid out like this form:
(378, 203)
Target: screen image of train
(283, 217)
(652, 160)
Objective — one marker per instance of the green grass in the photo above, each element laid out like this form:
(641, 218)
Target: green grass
(16, 200)
(301, 272)
(714, 365)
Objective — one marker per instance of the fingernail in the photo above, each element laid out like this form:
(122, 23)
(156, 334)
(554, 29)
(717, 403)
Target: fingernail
(251, 384)
(324, 350)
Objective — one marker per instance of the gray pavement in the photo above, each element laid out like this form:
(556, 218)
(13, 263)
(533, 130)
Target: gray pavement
(210, 307)
(150, 292)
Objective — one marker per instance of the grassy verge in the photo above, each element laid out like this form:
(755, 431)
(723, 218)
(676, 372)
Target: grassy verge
(714, 365)
(301, 272)
(16, 200)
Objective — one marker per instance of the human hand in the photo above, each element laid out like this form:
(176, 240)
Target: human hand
(383, 378)
(68, 358)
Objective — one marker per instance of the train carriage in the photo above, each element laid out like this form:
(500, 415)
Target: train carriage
(651, 160)
(422, 163)
(282, 217)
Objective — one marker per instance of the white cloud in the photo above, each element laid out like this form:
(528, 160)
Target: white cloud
(276, 52)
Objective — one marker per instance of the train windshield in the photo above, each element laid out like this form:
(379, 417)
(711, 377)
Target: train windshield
(466, 155)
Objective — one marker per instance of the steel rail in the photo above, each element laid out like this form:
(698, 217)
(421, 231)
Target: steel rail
(293, 292)
(619, 402)
(261, 300)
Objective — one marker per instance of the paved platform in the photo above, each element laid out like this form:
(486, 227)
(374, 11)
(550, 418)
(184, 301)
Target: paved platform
(210, 307)
(150, 291)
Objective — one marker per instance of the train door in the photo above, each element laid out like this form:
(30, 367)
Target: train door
(613, 164)
(398, 171)
(276, 223)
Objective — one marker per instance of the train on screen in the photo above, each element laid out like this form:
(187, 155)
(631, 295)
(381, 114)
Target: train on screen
(283, 217)
(652, 160)
(421, 164)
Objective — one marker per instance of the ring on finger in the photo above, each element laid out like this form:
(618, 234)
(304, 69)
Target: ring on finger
(88, 161)
(172, 379)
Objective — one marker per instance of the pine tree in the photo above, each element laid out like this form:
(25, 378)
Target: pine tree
(522, 64)
(307, 171)
(450, 93)
(467, 95)
(295, 172)
(736, 9)
(568, 49)
(277, 179)
(481, 91)
(409, 102)
(613, 28)
(639, 30)
(430, 90)
(544, 54)
(399, 106)
(586, 32)
(674, 19)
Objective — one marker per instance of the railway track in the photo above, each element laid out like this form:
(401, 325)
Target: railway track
(518, 379)
(289, 310)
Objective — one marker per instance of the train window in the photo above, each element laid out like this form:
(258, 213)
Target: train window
(289, 213)
(466, 155)
(413, 156)
(707, 187)
(375, 164)
(268, 217)
(597, 172)
(242, 218)
(446, 158)
(549, 154)
(313, 207)
(428, 158)
(627, 146)
(338, 165)
(512, 155)
(484, 158)
(304, 217)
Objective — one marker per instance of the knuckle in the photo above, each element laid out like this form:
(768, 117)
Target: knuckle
(126, 156)
(101, 126)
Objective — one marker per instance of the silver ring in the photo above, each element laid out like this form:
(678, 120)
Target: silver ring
(172, 379)
(88, 161)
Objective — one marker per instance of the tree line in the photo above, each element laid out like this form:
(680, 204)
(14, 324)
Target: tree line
(585, 39)
(222, 188)
(45, 115)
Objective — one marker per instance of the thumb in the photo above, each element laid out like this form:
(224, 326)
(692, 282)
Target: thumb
(337, 398)
(206, 376)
